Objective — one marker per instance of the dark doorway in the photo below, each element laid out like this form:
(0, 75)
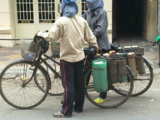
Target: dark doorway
(129, 20)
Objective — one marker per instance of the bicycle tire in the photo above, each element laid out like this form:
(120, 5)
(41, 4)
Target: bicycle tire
(12, 91)
(143, 81)
(114, 99)
(56, 83)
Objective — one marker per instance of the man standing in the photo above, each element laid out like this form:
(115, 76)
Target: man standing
(73, 31)
(97, 19)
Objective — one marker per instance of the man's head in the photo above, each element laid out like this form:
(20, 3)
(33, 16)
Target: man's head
(94, 4)
(69, 8)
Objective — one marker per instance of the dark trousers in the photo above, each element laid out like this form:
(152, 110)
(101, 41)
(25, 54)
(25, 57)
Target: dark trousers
(74, 86)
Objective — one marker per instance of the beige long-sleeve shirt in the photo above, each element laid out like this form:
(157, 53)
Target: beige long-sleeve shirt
(72, 32)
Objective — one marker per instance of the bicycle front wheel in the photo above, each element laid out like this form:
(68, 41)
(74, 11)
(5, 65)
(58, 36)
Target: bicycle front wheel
(114, 97)
(56, 82)
(12, 90)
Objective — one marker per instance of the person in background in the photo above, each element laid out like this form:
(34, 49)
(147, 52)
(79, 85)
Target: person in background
(73, 31)
(97, 19)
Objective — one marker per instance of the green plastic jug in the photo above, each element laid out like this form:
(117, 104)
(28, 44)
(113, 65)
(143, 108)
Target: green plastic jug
(100, 78)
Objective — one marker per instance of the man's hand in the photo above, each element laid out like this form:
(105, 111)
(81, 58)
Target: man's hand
(37, 36)
(99, 51)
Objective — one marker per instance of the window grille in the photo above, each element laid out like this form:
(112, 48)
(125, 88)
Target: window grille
(60, 8)
(46, 11)
(25, 11)
(84, 7)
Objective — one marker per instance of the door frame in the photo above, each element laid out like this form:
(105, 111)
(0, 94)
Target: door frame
(36, 25)
(13, 15)
(114, 25)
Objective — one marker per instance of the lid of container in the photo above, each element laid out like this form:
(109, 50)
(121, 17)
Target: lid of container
(127, 47)
(99, 62)
(134, 46)
(132, 54)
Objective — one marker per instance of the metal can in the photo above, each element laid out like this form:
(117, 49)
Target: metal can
(140, 64)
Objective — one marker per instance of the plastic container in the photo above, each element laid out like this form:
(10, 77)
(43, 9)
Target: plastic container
(112, 70)
(100, 80)
(140, 64)
(31, 56)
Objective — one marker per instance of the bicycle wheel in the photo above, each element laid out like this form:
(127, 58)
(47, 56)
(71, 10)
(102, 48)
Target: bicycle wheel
(143, 81)
(113, 99)
(56, 83)
(12, 89)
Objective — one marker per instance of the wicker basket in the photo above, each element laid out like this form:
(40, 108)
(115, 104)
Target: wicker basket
(29, 49)
(55, 49)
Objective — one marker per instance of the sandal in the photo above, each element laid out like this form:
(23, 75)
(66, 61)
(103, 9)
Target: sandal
(60, 115)
(99, 100)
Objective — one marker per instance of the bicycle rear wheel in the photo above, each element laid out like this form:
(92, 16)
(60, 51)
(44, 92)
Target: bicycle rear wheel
(143, 81)
(113, 99)
(12, 89)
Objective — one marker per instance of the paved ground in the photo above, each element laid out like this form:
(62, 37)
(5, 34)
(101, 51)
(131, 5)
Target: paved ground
(9, 54)
(144, 107)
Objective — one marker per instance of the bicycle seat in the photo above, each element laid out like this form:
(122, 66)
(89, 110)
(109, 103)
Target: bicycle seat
(114, 46)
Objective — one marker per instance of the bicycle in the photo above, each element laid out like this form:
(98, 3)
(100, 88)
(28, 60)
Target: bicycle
(24, 84)
(143, 81)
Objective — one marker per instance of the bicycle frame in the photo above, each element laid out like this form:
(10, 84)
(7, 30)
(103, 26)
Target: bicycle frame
(38, 62)
(87, 65)
(53, 70)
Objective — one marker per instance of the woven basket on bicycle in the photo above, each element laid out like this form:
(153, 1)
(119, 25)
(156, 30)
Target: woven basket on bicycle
(29, 49)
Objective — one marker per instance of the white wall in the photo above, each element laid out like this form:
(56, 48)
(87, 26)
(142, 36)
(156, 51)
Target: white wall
(4, 13)
(5, 23)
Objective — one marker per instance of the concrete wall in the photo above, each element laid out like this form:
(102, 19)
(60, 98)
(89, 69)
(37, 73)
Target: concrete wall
(108, 8)
(158, 27)
(152, 20)
(7, 28)
(5, 23)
